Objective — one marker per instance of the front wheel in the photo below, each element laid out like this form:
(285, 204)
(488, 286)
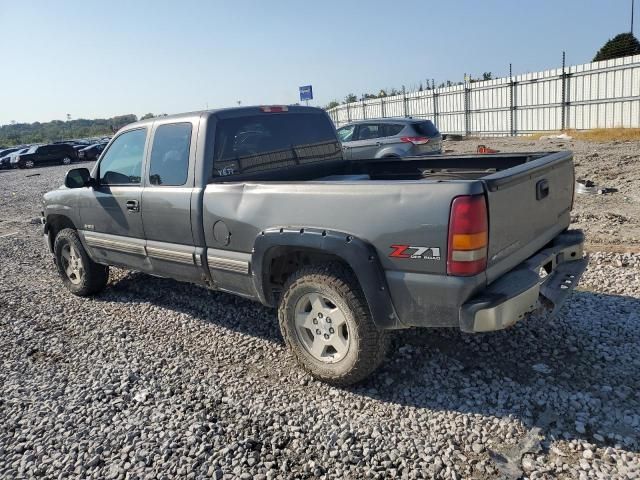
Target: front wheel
(79, 274)
(28, 164)
(66, 161)
(325, 320)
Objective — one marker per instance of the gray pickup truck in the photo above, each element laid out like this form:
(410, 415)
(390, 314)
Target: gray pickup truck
(259, 202)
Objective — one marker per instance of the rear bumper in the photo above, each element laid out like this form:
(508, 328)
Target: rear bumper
(438, 300)
(522, 290)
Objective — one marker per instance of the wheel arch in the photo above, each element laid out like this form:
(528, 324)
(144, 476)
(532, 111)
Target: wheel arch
(279, 252)
(56, 222)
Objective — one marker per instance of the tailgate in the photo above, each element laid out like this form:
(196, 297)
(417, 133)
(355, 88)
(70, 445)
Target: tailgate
(528, 206)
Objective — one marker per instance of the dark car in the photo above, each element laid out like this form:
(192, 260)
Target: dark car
(92, 152)
(7, 154)
(45, 154)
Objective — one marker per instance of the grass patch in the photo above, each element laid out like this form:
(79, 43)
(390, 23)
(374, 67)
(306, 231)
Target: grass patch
(596, 135)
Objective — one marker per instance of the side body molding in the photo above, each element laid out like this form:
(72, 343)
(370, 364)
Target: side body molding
(359, 255)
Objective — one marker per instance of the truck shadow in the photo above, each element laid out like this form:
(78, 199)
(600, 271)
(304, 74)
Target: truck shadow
(570, 376)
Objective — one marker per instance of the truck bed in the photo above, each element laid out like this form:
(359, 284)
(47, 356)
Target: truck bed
(434, 167)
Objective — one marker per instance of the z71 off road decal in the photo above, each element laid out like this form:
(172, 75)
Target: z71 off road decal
(410, 251)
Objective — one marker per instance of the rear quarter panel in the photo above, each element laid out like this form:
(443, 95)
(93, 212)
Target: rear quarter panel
(380, 213)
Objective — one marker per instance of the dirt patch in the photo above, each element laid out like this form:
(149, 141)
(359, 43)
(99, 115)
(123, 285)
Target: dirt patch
(611, 219)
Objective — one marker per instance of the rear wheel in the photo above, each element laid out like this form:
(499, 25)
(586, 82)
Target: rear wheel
(325, 320)
(79, 274)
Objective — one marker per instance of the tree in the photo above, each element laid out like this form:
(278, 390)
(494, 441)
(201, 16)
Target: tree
(621, 45)
(350, 98)
(332, 104)
(37, 132)
(487, 76)
(147, 115)
(382, 93)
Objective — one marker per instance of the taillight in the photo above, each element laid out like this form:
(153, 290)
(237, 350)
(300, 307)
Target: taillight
(274, 108)
(415, 140)
(468, 236)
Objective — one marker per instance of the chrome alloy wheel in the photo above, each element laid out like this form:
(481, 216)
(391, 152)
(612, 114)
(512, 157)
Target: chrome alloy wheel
(322, 327)
(72, 264)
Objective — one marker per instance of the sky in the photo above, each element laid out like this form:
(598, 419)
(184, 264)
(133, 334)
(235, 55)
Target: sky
(95, 59)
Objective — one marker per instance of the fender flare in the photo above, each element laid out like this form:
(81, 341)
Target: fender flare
(358, 254)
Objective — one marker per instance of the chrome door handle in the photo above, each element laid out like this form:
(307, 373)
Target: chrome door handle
(133, 206)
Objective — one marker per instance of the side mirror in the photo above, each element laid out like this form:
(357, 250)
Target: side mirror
(77, 178)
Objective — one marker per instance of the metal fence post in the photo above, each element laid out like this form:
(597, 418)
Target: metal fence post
(404, 101)
(563, 90)
(512, 106)
(348, 113)
(467, 112)
(434, 97)
(382, 107)
(364, 110)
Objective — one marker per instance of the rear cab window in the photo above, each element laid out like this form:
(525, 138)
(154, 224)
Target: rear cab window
(272, 140)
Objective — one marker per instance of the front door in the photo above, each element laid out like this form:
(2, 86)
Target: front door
(110, 211)
(345, 135)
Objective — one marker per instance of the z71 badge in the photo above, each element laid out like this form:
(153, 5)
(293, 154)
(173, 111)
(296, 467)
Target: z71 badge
(410, 251)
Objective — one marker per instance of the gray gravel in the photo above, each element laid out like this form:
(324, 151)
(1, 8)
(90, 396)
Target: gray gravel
(158, 379)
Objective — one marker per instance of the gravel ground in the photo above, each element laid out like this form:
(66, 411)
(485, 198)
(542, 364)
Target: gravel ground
(158, 379)
(611, 220)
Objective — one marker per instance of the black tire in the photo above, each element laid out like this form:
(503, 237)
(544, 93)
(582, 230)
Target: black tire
(66, 161)
(367, 344)
(94, 276)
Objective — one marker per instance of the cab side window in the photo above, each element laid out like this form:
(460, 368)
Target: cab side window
(170, 155)
(122, 162)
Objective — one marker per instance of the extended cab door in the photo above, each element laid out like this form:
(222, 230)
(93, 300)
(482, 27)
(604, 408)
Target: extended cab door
(166, 200)
(110, 210)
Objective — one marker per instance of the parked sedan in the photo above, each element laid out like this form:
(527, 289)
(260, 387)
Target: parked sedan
(92, 152)
(45, 154)
(389, 137)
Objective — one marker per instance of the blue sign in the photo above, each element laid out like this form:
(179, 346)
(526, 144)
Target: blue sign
(306, 93)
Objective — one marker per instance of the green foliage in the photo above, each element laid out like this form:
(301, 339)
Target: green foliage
(621, 45)
(332, 104)
(147, 115)
(350, 98)
(21, 133)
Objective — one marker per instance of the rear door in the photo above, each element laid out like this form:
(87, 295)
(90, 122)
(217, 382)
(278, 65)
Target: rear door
(366, 141)
(166, 201)
(528, 206)
(110, 211)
